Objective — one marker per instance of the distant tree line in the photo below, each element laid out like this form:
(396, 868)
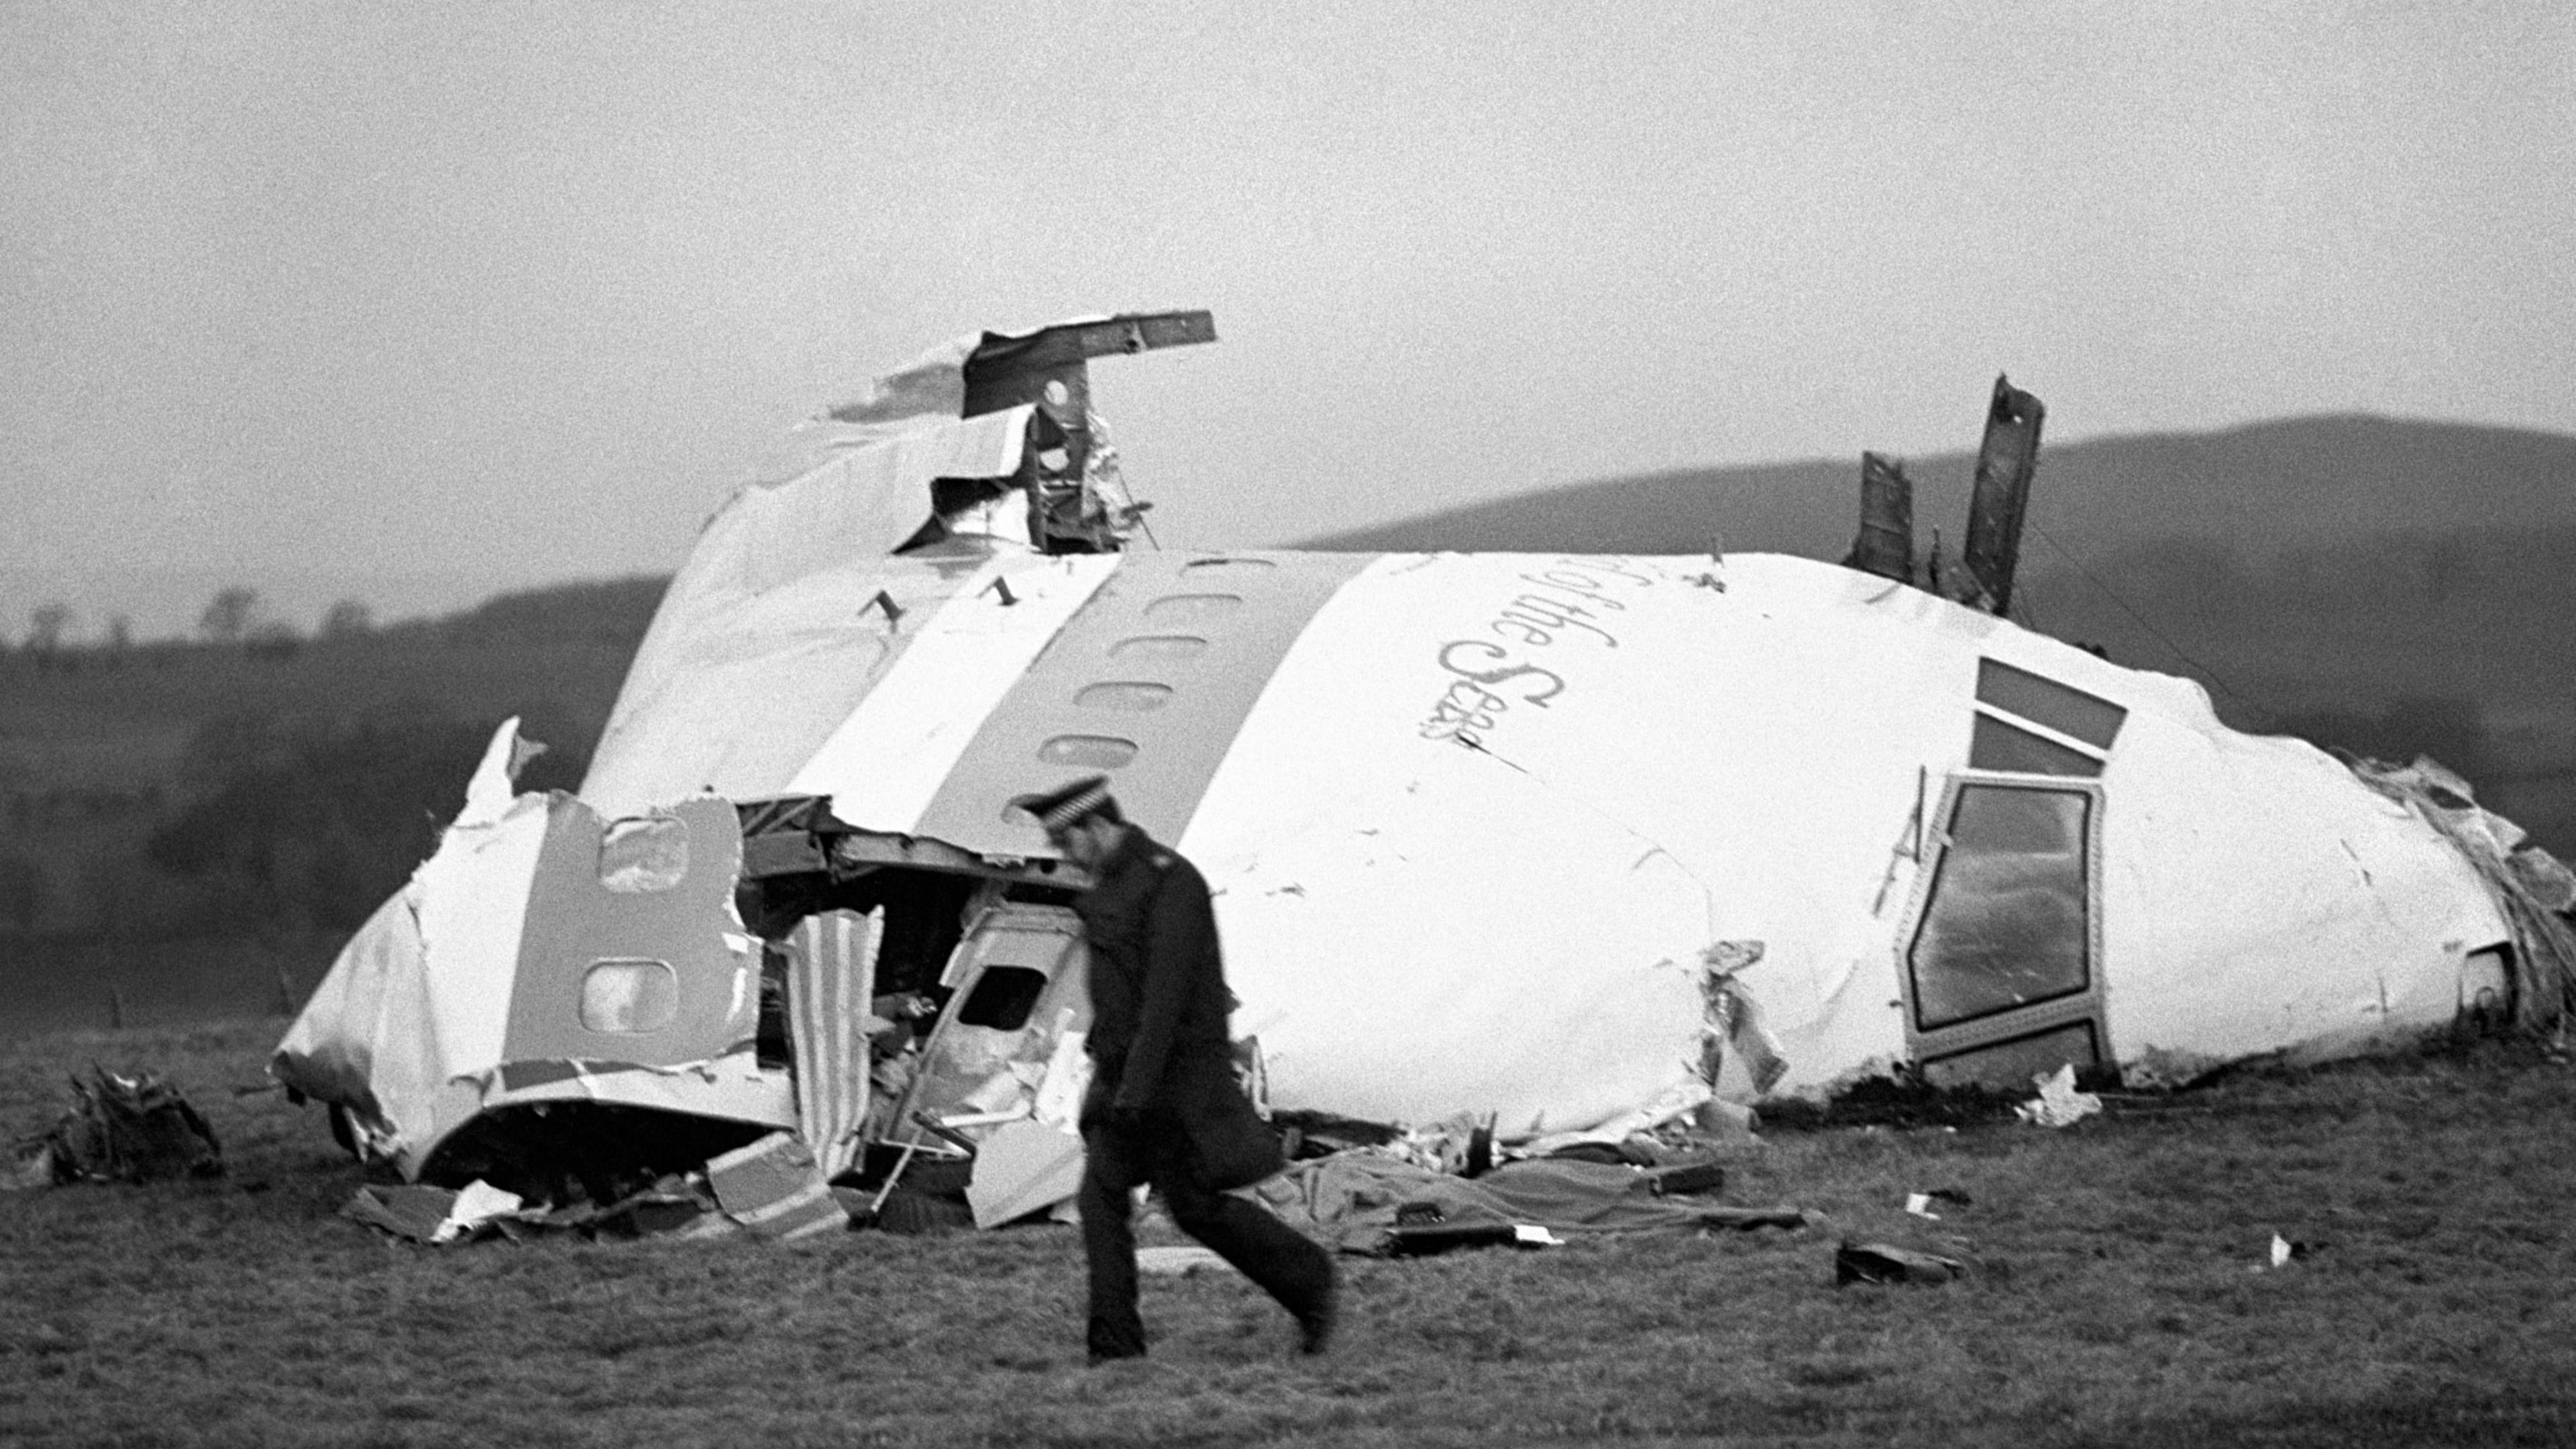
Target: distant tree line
(311, 825)
(611, 612)
(300, 813)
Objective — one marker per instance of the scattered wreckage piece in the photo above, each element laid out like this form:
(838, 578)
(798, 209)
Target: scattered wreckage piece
(1179, 1260)
(770, 1189)
(119, 1128)
(1703, 831)
(1365, 1203)
(1888, 1263)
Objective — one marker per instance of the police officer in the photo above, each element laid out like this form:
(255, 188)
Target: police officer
(1164, 1107)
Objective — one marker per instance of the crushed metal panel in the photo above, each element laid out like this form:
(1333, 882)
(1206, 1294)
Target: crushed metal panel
(376, 980)
(1021, 1168)
(774, 1188)
(1885, 544)
(2006, 462)
(2524, 881)
(1008, 1047)
(864, 502)
(1048, 367)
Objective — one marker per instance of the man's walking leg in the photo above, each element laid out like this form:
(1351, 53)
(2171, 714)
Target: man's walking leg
(1109, 1245)
(1285, 1263)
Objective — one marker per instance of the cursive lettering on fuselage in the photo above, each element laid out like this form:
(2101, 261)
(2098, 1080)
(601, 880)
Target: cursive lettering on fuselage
(1567, 602)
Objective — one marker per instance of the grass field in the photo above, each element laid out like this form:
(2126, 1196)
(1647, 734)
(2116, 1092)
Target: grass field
(2120, 1295)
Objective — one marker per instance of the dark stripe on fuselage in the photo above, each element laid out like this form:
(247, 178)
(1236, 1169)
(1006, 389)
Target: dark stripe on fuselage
(1148, 684)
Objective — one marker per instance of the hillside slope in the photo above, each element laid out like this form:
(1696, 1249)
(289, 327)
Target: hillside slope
(2298, 483)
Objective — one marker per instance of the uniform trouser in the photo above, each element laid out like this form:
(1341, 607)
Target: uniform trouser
(1287, 1264)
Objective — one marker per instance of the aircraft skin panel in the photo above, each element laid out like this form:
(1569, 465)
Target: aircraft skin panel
(887, 762)
(733, 1086)
(673, 923)
(1148, 683)
(766, 639)
(2261, 898)
(473, 904)
(414, 1003)
(1416, 926)
(864, 502)
(751, 687)
(361, 1038)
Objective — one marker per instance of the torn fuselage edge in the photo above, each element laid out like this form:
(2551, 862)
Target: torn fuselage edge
(798, 834)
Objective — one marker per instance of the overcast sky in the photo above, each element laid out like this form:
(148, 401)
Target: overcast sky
(434, 299)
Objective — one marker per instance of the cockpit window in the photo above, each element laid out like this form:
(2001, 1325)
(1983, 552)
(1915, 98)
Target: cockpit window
(2082, 717)
(1996, 745)
(2007, 922)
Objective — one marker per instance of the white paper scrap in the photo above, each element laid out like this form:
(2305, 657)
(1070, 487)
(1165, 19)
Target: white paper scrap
(2058, 1104)
(479, 1202)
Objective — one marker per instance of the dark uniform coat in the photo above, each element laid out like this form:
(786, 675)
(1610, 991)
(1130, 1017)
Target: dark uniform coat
(1164, 1107)
(1159, 1042)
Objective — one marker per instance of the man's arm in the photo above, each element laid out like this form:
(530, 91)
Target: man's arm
(1180, 934)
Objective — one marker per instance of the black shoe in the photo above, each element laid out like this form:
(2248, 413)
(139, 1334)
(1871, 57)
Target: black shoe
(1098, 1358)
(1315, 1326)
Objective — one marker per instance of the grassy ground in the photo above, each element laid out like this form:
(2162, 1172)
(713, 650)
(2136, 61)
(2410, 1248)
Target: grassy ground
(2119, 1297)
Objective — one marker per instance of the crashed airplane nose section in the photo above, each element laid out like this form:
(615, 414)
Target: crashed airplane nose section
(1562, 839)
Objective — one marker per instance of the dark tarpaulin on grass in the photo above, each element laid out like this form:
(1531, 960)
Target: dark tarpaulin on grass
(1351, 1200)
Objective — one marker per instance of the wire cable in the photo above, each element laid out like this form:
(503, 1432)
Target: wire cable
(2143, 622)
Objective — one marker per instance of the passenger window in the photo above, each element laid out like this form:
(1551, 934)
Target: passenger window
(644, 854)
(2007, 922)
(629, 996)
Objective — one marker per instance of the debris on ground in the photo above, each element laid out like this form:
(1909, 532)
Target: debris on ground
(2058, 1103)
(1420, 1232)
(1920, 1203)
(118, 1129)
(1176, 1261)
(765, 1190)
(775, 1189)
(2286, 1251)
(1900, 1099)
(1369, 1204)
(1888, 1263)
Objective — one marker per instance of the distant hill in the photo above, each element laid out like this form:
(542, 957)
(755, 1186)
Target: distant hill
(611, 613)
(2302, 482)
